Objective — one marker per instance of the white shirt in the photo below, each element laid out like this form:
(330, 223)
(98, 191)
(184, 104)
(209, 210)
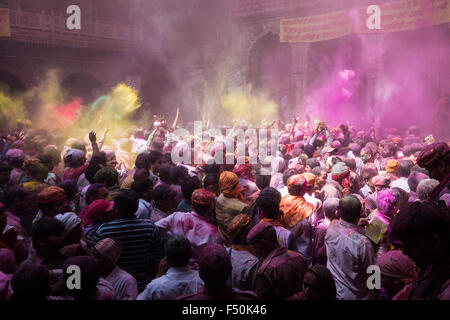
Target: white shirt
(83, 192)
(82, 182)
(175, 283)
(401, 183)
(284, 191)
(349, 253)
(123, 283)
(313, 200)
(144, 210)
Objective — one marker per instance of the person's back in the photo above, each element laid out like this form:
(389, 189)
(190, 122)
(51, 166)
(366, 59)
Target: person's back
(229, 204)
(179, 280)
(349, 252)
(140, 239)
(215, 269)
(423, 230)
(245, 265)
(194, 225)
(281, 272)
(330, 207)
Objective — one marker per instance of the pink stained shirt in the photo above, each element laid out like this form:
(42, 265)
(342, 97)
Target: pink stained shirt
(194, 227)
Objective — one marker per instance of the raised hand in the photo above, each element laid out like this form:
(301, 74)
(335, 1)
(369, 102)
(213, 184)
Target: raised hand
(92, 136)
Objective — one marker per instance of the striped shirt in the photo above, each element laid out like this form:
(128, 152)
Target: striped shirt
(142, 246)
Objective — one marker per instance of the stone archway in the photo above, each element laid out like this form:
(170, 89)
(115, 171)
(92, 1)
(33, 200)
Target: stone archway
(11, 83)
(270, 69)
(83, 85)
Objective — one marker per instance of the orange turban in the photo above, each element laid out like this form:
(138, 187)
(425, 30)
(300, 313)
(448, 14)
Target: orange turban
(310, 178)
(51, 194)
(392, 166)
(229, 185)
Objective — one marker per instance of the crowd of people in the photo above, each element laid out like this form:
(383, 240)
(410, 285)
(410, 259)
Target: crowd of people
(308, 223)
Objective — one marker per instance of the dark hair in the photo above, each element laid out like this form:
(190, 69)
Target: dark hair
(201, 209)
(330, 205)
(350, 208)
(351, 163)
(141, 186)
(312, 163)
(213, 168)
(404, 168)
(46, 159)
(70, 187)
(12, 194)
(30, 282)
(188, 186)
(108, 176)
(287, 174)
(325, 282)
(178, 251)
(269, 202)
(154, 156)
(45, 227)
(89, 275)
(92, 191)
(215, 275)
(94, 166)
(164, 173)
(141, 174)
(55, 154)
(210, 180)
(178, 172)
(262, 180)
(142, 161)
(167, 158)
(163, 192)
(309, 150)
(127, 203)
(422, 219)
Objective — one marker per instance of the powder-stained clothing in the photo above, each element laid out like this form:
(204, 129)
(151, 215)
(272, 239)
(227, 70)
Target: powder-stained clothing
(123, 283)
(75, 173)
(401, 183)
(245, 266)
(141, 243)
(280, 275)
(248, 187)
(349, 253)
(157, 215)
(434, 282)
(226, 210)
(284, 236)
(15, 176)
(295, 209)
(193, 227)
(144, 210)
(176, 282)
(319, 250)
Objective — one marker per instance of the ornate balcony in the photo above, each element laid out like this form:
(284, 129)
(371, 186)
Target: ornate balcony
(50, 29)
